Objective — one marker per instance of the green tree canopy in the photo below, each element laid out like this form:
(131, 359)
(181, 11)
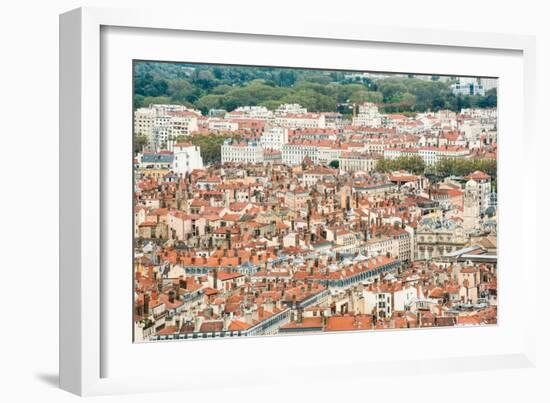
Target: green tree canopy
(415, 165)
(317, 90)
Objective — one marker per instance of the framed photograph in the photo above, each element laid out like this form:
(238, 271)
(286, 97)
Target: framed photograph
(310, 198)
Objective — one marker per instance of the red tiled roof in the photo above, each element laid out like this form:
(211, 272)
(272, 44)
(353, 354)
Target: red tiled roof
(349, 322)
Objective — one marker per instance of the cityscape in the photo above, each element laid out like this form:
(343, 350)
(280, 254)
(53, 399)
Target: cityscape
(279, 201)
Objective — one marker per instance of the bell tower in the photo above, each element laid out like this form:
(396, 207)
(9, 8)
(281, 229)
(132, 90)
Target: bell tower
(471, 206)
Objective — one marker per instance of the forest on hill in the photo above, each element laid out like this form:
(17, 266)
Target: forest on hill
(206, 87)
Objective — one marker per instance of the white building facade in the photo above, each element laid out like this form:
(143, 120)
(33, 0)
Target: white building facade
(242, 152)
(354, 162)
(301, 121)
(368, 115)
(295, 153)
(187, 157)
(274, 138)
(162, 123)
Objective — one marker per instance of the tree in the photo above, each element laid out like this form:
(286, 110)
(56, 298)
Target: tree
(334, 164)
(181, 90)
(445, 167)
(415, 165)
(392, 89)
(148, 85)
(156, 100)
(286, 78)
(210, 145)
(361, 96)
(140, 141)
(204, 79)
(271, 105)
(319, 78)
(464, 166)
(208, 102)
(138, 101)
(489, 100)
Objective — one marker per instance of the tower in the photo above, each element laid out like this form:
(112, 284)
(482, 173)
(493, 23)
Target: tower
(471, 206)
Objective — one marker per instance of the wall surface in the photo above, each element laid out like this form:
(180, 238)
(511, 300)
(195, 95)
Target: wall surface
(29, 105)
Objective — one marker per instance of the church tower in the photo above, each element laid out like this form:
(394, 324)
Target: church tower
(471, 206)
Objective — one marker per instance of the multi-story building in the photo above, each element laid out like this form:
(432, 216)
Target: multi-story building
(333, 120)
(429, 154)
(290, 108)
(183, 123)
(355, 161)
(403, 243)
(392, 153)
(382, 299)
(438, 236)
(381, 245)
(223, 125)
(346, 242)
(242, 152)
(468, 280)
(161, 123)
(316, 174)
(272, 156)
(368, 115)
(327, 154)
(149, 160)
(187, 157)
(274, 138)
(481, 182)
(250, 112)
(301, 120)
(468, 86)
(144, 119)
(295, 152)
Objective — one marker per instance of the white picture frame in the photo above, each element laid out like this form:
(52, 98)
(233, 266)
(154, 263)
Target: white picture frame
(83, 303)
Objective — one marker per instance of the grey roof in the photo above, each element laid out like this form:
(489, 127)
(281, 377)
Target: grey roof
(157, 158)
(463, 251)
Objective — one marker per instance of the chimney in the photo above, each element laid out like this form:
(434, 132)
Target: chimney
(215, 279)
(182, 283)
(146, 299)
